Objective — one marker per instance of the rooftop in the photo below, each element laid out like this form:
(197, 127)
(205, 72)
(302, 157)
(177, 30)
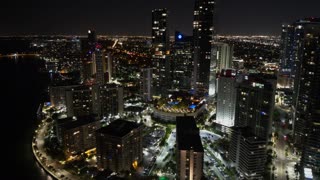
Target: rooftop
(188, 135)
(119, 128)
(70, 122)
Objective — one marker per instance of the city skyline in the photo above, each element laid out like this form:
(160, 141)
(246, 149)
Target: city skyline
(117, 17)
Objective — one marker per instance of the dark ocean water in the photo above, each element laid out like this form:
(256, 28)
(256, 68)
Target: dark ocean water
(24, 86)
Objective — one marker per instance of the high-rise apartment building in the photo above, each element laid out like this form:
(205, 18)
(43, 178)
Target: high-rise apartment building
(287, 50)
(110, 100)
(119, 145)
(190, 152)
(221, 59)
(77, 134)
(248, 152)
(253, 119)
(79, 101)
(99, 64)
(203, 31)
(255, 105)
(226, 98)
(306, 98)
(146, 84)
(160, 53)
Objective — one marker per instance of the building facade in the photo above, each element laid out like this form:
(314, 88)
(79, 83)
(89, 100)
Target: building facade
(190, 151)
(222, 54)
(77, 134)
(226, 98)
(119, 146)
(181, 61)
(160, 51)
(203, 31)
(306, 98)
(146, 84)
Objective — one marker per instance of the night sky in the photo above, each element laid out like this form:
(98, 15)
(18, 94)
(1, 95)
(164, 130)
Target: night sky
(133, 17)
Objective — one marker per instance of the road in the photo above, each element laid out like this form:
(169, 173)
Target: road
(282, 162)
(46, 161)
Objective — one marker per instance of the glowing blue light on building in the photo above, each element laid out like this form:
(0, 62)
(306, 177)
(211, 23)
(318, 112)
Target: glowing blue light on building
(179, 36)
(192, 106)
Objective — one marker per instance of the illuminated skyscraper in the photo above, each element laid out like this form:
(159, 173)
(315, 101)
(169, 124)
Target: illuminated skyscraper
(255, 104)
(221, 59)
(160, 43)
(287, 50)
(249, 137)
(181, 61)
(226, 98)
(306, 98)
(203, 32)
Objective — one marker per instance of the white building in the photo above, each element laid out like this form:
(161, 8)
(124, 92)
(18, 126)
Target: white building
(226, 98)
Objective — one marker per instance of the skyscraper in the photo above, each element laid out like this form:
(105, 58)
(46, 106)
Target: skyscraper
(255, 104)
(88, 47)
(119, 145)
(287, 50)
(253, 117)
(99, 64)
(226, 98)
(160, 46)
(190, 152)
(181, 61)
(146, 84)
(306, 98)
(221, 59)
(203, 32)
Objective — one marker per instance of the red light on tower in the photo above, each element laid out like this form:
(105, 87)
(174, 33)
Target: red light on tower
(98, 46)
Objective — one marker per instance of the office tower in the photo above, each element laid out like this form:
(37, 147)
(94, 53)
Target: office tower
(203, 31)
(255, 104)
(248, 153)
(189, 149)
(79, 101)
(306, 98)
(146, 84)
(181, 61)
(160, 53)
(226, 98)
(221, 59)
(77, 134)
(119, 145)
(99, 64)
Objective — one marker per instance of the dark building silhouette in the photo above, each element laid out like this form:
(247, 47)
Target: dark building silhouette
(190, 152)
(181, 61)
(306, 96)
(203, 32)
(160, 53)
